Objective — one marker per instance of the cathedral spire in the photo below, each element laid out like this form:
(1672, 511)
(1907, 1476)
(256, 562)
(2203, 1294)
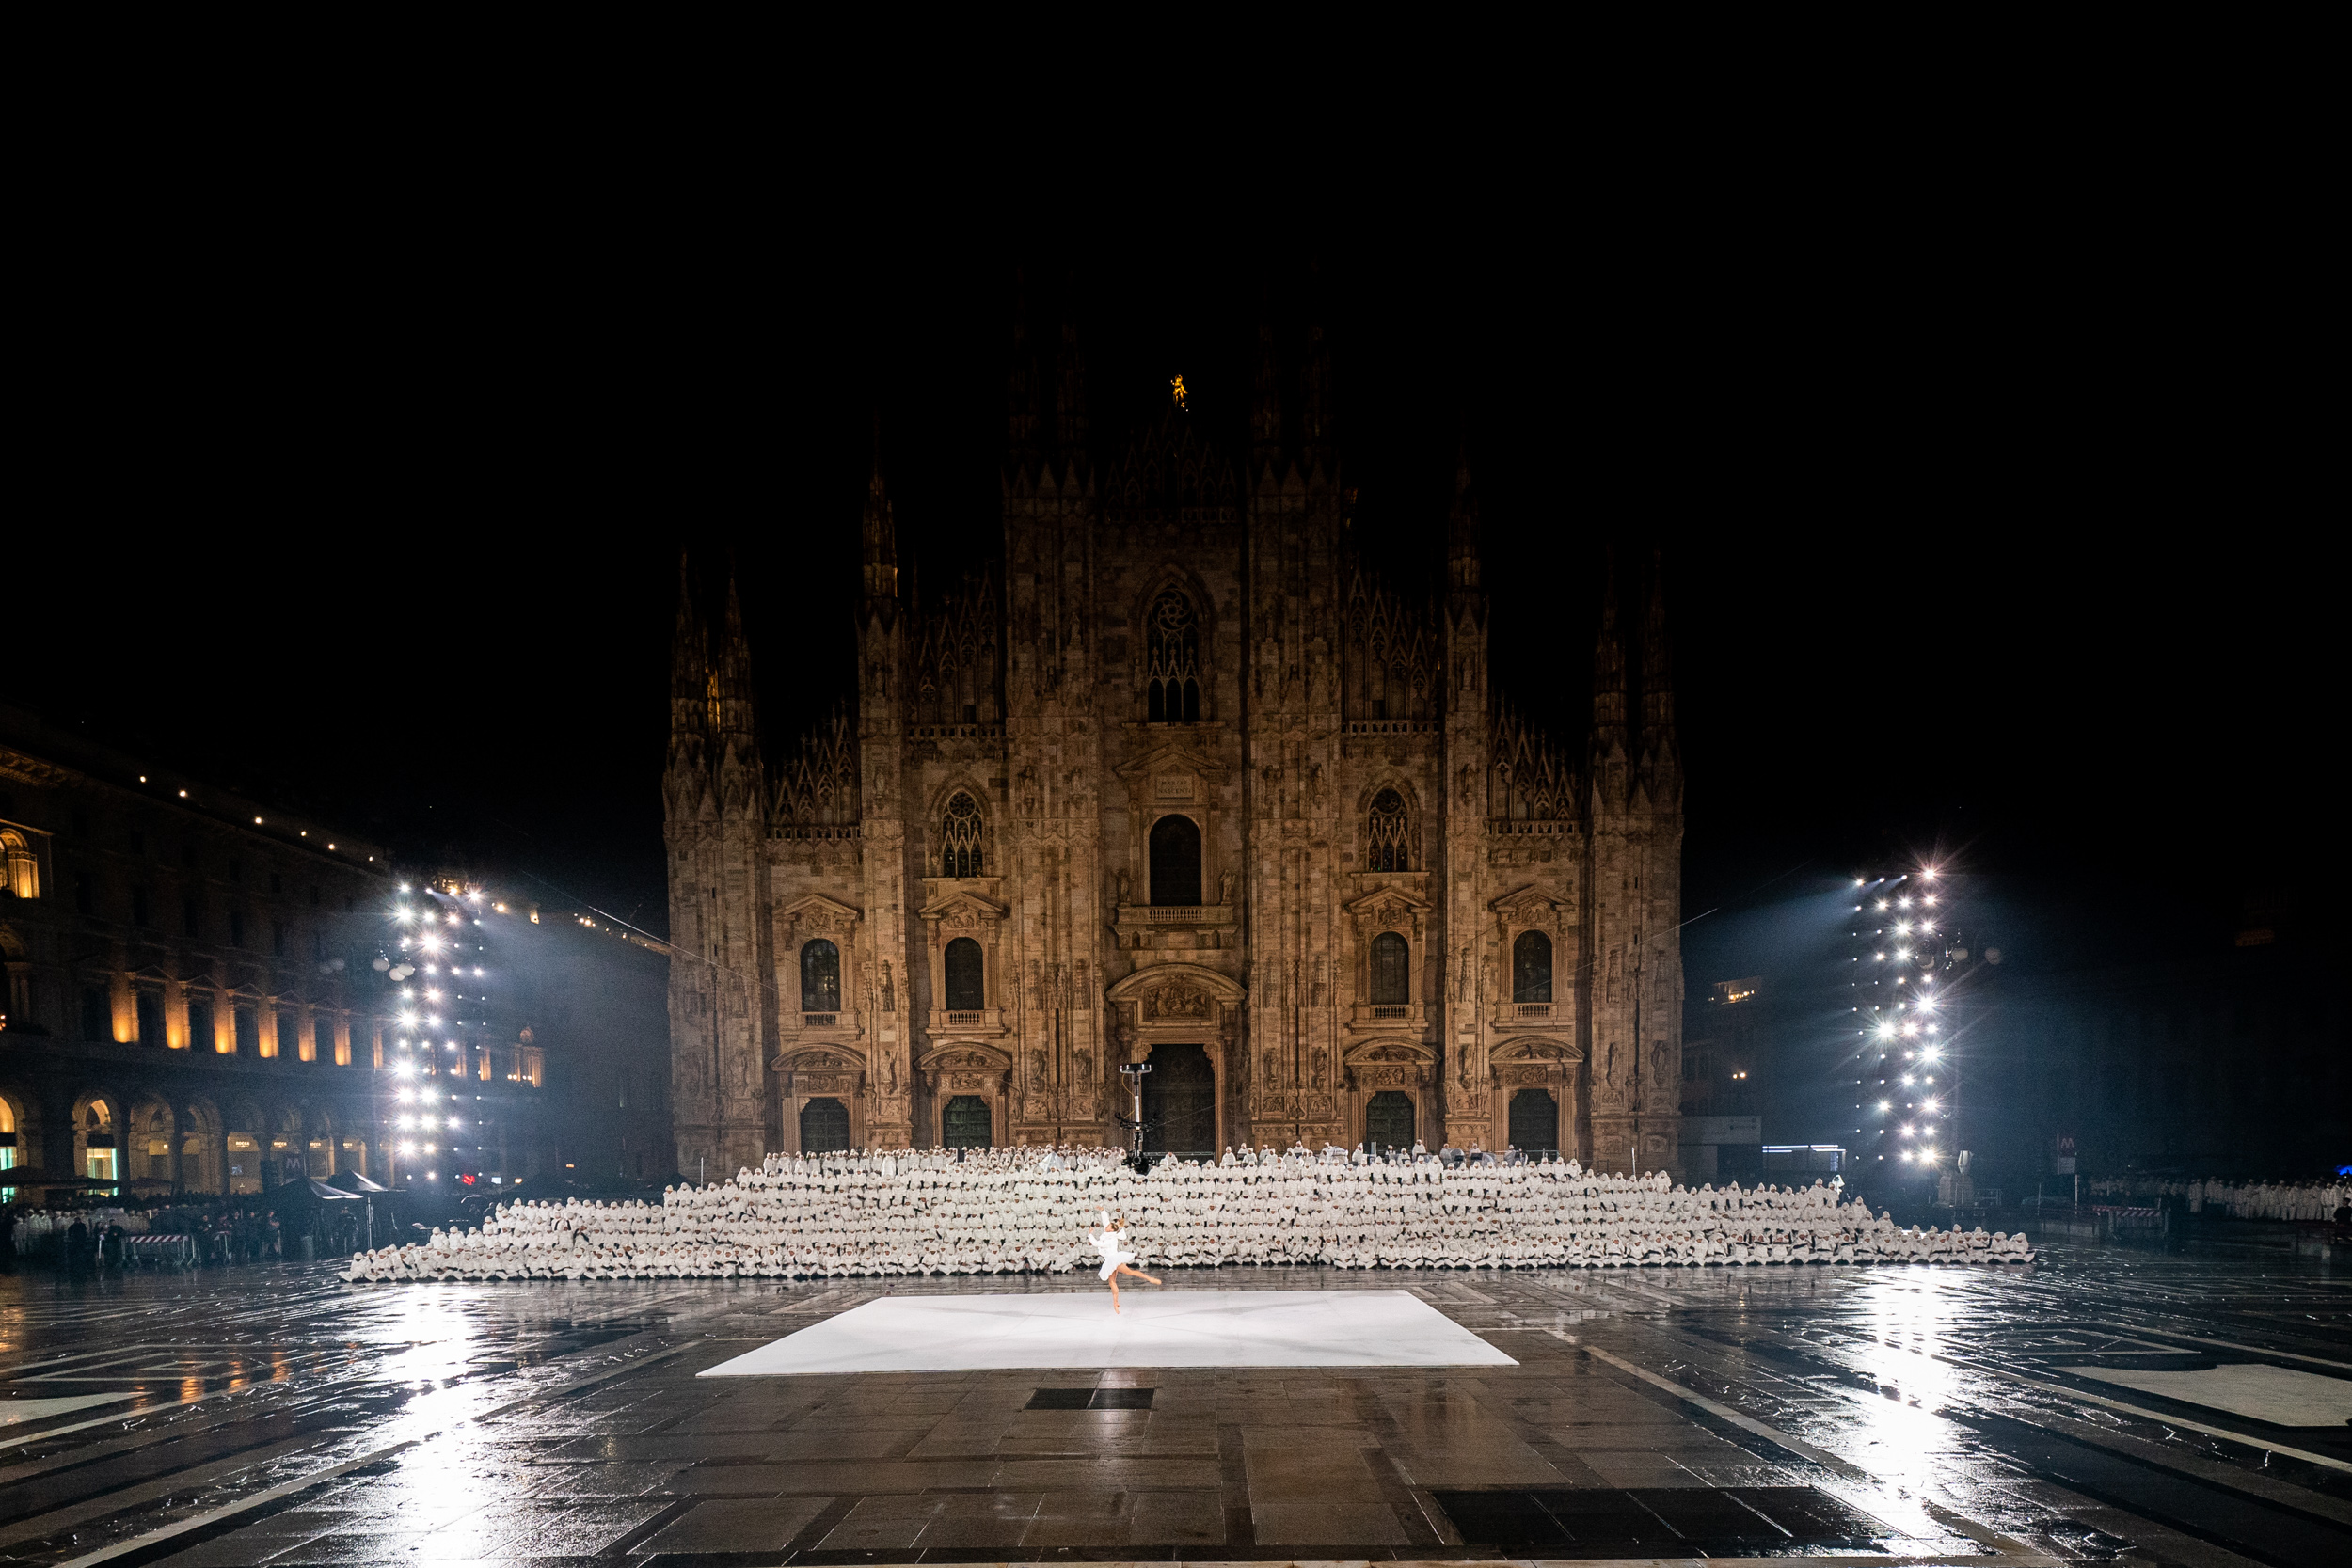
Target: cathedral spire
(1461, 542)
(689, 677)
(686, 642)
(1266, 402)
(1658, 688)
(1662, 754)
(1316, 421)
(880, 531)
(1609, 672)
(733, 707)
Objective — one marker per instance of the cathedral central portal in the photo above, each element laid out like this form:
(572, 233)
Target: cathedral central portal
(1180, 1101)
(1177, 780)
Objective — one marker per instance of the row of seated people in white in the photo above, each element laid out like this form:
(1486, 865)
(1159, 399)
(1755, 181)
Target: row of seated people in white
(900, 1214)
(2246, 1200)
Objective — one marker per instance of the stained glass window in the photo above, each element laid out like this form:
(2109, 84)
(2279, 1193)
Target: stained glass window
(1172, 638)
(1388, 847)
(960, 838)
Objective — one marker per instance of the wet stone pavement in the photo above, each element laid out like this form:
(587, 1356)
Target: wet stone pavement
(275, 1415)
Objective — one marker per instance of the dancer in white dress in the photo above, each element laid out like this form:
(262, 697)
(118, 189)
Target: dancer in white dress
(1111, 1242)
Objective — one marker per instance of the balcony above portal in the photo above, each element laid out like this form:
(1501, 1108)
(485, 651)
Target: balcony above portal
(1186, 928)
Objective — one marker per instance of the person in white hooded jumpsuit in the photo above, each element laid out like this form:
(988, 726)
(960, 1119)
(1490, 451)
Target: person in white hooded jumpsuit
(1111, 1242)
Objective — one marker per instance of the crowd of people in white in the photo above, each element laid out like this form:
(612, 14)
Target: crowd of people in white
(1012, 1211)
(2244, 1200)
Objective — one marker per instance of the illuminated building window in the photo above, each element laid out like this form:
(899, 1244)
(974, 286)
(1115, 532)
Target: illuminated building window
(21, 865)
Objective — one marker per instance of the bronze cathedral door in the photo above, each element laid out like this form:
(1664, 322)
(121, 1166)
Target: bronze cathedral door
(1180, 1101)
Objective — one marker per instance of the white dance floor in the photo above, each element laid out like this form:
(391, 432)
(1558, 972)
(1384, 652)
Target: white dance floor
(1159, 1328)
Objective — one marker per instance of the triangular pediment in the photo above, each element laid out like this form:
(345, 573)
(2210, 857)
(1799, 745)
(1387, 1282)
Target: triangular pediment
(1168, 757)
(1381, 899)
(1533, 897)
(962, 901)
(816, 905)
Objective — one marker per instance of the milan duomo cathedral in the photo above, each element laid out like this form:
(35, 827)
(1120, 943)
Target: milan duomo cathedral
(1179, 784)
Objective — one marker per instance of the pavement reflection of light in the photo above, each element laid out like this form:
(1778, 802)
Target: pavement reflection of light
(1903, 1440)
(431, 1340)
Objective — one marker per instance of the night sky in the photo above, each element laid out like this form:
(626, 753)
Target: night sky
(1993, 573)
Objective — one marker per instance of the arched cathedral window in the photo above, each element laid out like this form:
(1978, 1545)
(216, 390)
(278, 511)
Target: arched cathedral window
(1530, 968)
(1391, 970)
(1175, 847)
(960, 838)
(820, 977)
(1173, 641)
(967, 986)
(1388, 843)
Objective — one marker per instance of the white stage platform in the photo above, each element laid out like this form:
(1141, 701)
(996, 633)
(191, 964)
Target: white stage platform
(1159, 1328)
(2273, 1394)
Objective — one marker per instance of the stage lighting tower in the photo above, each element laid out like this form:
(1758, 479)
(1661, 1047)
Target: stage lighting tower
(1904, 949)
(437, 965)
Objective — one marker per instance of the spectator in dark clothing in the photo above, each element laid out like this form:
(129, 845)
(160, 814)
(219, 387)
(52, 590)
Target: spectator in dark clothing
(76, 1247)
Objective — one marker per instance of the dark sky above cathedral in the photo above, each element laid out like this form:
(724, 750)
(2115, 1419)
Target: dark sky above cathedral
(1970, 572)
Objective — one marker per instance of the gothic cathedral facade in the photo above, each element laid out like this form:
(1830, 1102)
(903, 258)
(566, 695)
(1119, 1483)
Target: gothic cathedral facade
(1177, 785)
